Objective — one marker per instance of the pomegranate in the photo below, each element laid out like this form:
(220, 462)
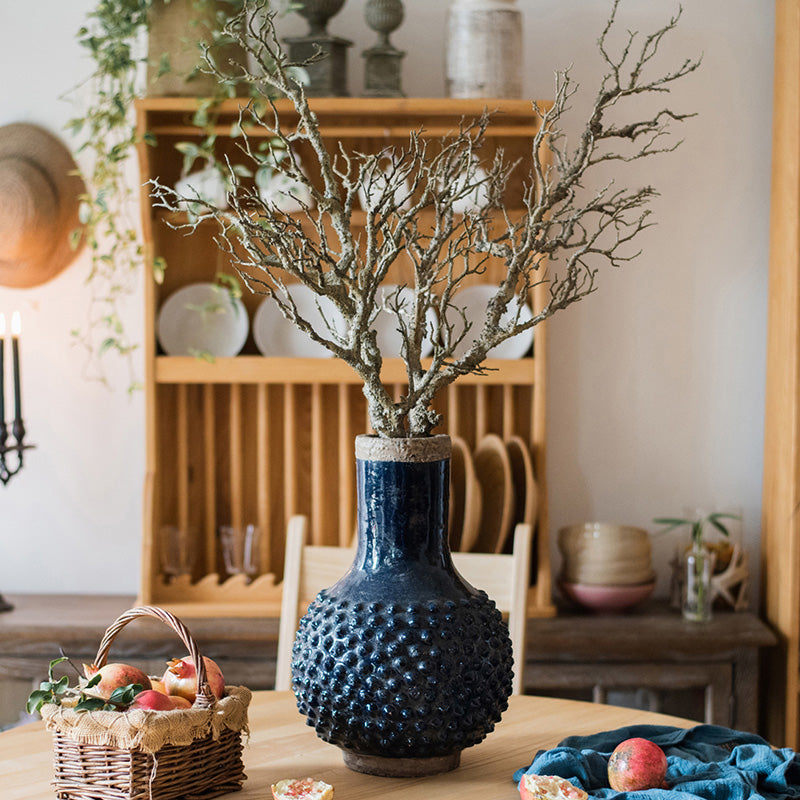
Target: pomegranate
(114, 676)
(180, 678)
(151, 700)
(637, 764)
(549, 787)
(302, 789)
(179, 702)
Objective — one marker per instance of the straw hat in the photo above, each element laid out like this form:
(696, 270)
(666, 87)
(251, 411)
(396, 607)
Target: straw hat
(39, 199)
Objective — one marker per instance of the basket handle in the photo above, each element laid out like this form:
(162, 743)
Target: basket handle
(205, 697)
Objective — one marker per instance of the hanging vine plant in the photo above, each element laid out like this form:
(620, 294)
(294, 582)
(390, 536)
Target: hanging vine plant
(115, 37)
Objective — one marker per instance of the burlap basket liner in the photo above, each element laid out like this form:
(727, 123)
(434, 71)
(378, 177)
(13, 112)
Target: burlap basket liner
(150, 731)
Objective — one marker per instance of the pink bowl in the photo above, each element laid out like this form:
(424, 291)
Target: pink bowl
(607, 599)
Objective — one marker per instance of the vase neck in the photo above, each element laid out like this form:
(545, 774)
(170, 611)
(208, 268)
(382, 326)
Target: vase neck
(402, 513)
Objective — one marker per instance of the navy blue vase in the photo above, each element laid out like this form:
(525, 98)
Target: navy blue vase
(402, 664)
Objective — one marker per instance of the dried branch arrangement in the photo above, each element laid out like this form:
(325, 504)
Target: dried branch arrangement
(562, 235)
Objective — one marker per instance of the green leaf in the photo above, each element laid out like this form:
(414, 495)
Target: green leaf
(202, 355)
(164, 66)
(123, 695)
(36, 700)
(90, 704)
(54, 663)
(107, 344)
(242, 171)
(84, 213)
(94, 680)
(159, 269)
(671, 522)
(714, 519)
(187, 148)
(230, 283)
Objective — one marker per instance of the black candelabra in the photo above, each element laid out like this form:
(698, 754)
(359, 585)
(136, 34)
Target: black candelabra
(17, 447)
(15, 442)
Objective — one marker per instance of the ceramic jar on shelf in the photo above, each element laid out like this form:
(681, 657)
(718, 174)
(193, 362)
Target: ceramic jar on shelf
(483, 49)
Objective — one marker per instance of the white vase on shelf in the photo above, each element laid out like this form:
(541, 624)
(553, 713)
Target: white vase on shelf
(483, 49)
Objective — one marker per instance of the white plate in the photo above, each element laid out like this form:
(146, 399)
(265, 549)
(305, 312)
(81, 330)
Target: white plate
(202, 318)
(207, 185)
(369, 195)
(475, 300)
(476, 198)
(286, 194)
(276, 336)
(386, 326)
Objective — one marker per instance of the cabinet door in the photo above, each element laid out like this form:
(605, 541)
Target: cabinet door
(701, 691)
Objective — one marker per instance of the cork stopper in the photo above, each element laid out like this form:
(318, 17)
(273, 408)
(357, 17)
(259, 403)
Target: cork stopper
(419, 450)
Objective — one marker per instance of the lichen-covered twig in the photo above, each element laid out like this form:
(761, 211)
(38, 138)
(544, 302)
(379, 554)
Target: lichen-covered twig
(562, 237)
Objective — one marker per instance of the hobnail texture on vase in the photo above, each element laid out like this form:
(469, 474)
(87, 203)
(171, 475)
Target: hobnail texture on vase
(413, 680)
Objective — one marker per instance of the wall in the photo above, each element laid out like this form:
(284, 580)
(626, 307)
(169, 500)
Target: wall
(656, 381)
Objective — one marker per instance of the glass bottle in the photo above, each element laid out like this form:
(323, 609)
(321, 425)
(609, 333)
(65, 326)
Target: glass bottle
(697, 590)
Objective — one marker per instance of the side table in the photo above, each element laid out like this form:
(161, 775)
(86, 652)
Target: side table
(706, 671)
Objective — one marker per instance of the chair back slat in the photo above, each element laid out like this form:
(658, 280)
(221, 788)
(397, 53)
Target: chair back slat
(310, 568)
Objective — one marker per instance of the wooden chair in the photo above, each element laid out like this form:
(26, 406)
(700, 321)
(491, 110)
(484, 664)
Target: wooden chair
(310, 568)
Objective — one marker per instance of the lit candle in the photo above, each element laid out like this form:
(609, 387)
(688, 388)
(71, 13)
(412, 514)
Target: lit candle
(16, 327)
(2, 369)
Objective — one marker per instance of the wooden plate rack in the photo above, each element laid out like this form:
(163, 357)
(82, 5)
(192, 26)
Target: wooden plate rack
(253, 439)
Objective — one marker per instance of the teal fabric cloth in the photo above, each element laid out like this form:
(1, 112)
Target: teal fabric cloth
(708, 761)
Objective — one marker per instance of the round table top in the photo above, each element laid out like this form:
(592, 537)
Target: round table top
(282, 746)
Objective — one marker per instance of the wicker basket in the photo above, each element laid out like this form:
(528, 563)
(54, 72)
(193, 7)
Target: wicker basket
(151, 755)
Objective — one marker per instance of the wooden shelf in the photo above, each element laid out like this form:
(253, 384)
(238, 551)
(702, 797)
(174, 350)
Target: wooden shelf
(261, 369)
(352, 117)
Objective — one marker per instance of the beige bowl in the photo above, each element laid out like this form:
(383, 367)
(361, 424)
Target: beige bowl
(605, 554)
(612, 575)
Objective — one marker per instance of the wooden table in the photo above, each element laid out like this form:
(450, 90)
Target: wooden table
(282, 746)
